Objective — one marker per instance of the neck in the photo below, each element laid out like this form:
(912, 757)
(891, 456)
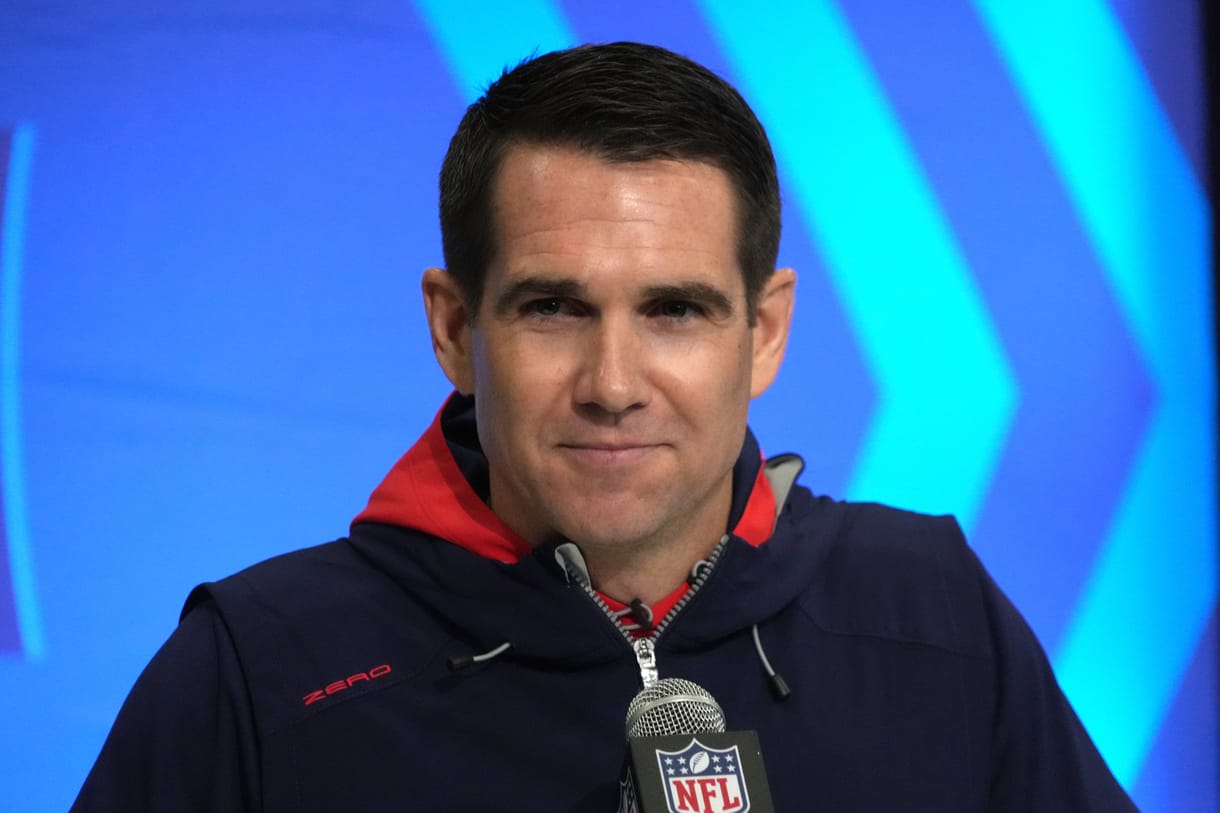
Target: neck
(648, 571)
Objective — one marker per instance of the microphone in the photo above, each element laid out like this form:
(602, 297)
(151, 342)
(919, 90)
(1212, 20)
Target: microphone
(673, 706)
(683, 761)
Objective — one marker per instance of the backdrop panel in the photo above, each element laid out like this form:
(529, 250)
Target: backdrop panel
(213, 216)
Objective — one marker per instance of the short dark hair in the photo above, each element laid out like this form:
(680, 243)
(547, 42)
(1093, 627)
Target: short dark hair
(623, 102)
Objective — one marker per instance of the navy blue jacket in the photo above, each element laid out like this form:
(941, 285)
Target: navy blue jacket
(321, 680)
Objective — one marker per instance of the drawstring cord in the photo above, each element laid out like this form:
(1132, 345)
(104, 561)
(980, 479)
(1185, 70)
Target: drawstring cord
(639, 613)
(779, 687)
(458, 662)
(641, 618)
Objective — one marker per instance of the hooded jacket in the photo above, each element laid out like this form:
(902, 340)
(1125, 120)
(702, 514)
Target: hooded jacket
(322, 680)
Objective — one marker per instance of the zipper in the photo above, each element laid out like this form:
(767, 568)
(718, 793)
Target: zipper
(645, 647)
(646, 659)
(702, 576)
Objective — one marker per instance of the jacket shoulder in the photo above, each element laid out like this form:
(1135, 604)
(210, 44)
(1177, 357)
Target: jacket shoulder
(902, 576)
(310, 624)
(303, 581)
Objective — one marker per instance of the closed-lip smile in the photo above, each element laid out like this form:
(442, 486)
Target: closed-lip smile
(609, 453)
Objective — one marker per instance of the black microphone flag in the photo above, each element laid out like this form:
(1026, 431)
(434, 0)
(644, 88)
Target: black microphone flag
(710, 772)
(681, 760)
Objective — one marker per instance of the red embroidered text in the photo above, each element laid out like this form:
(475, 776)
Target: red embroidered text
(347, 683)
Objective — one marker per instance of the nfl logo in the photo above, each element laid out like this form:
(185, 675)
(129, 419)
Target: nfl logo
(699, 779)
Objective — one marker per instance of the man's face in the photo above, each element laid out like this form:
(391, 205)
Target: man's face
(612, 359)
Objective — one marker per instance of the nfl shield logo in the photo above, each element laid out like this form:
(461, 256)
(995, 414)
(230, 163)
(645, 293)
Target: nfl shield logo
(699, 779)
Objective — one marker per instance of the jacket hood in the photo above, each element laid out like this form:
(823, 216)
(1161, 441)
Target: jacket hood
(482, 566)
(435, 488)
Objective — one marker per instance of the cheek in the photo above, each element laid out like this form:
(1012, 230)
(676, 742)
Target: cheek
(527, 376)
(516, 388)
(717, 371)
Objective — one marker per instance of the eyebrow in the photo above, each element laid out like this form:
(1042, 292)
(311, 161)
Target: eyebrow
(544, 287)
(707, 296)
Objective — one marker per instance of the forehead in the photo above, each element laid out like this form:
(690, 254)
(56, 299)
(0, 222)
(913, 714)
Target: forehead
(559, 210)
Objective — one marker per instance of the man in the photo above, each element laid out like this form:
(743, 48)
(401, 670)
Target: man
(590, 506)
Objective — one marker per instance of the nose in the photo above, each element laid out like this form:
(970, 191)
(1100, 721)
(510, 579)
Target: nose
(611, 378)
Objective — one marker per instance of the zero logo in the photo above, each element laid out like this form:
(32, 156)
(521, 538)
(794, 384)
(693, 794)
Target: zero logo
(346, 683)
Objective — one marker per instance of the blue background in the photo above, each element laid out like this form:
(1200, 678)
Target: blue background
(212, 347)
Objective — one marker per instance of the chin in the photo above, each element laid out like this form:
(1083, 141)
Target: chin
(610, 535)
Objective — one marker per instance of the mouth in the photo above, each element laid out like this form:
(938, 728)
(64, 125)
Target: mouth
(609, 455)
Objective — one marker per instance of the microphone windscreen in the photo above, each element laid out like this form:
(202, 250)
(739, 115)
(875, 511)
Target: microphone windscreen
(673, 706)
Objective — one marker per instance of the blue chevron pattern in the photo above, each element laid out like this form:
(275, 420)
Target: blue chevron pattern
(995, 210)
(10, 633)
(478, 46)
(941, 309)
(19, 611)
(1145, 217)
(1103, 423)
(944, 381)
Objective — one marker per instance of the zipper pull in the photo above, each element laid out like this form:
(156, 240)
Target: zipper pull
(646, 657)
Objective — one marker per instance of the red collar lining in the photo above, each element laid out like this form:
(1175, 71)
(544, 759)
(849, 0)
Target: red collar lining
(427, 491)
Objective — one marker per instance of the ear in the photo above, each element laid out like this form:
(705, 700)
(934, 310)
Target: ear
(772, 320)
(450, 324)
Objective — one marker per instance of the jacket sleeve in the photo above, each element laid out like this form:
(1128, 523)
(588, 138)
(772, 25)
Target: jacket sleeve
(184, 739)
(1043, 759)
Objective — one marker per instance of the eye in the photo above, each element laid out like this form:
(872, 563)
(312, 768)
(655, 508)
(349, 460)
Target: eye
(677, 309)
(551, 306)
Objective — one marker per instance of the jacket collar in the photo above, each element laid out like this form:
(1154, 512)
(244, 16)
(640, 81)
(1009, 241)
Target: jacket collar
(439, 487)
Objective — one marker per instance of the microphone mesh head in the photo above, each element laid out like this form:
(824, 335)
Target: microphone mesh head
(673, 706)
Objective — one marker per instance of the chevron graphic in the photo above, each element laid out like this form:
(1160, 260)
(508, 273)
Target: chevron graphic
(996, 210)
(924, 370)
(21, 603)
(1060, 325)
(947, 395)
(1148, 221)
(10, 633)
(942, 287)
(479, 42)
